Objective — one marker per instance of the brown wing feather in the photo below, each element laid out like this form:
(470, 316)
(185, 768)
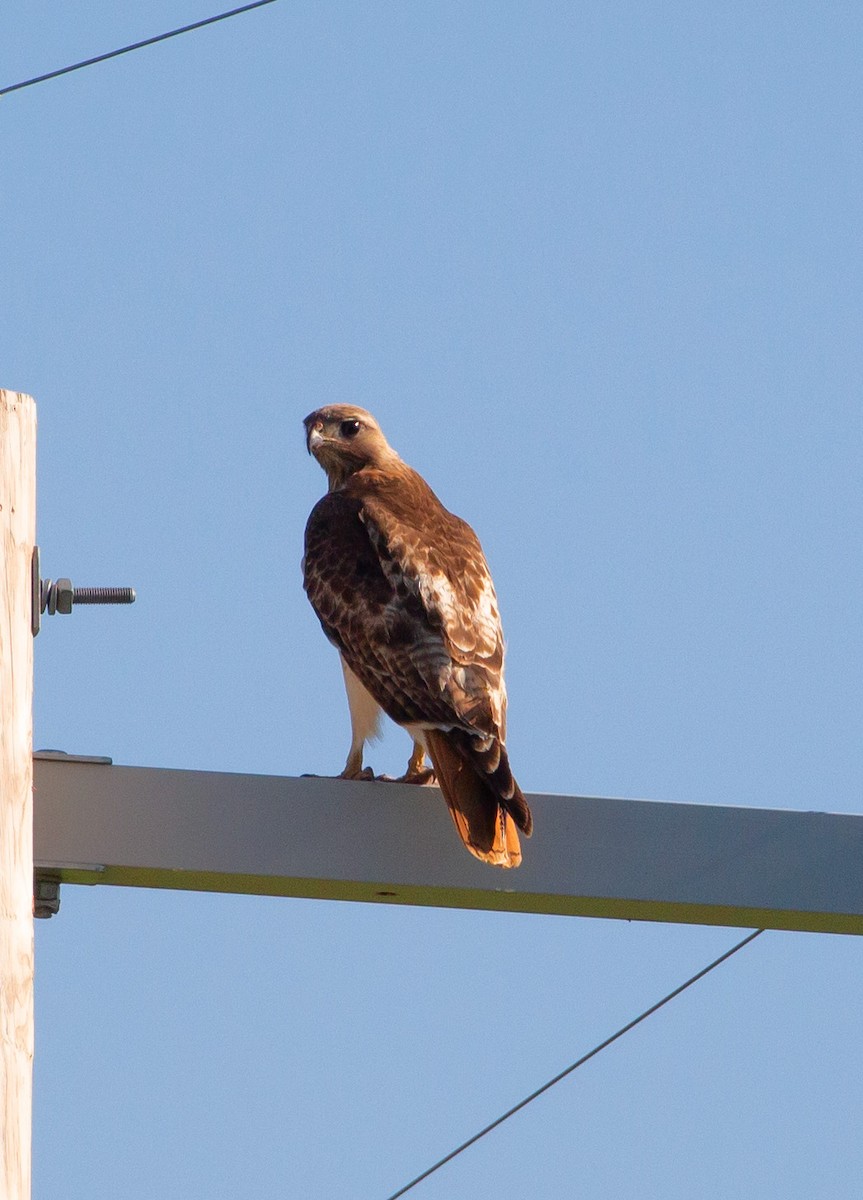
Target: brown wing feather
(383, 637)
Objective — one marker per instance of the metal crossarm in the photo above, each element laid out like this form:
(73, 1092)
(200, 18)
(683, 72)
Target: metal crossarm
(393, 843)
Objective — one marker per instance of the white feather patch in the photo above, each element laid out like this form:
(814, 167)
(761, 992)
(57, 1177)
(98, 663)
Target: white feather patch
(365, 710)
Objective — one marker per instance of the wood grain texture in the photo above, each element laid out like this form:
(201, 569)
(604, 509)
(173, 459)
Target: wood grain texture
(18, 526)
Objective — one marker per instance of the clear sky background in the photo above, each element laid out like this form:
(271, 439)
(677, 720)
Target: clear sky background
(596, 268)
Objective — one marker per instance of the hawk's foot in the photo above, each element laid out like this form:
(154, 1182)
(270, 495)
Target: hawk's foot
(423, 778)
(364, 773)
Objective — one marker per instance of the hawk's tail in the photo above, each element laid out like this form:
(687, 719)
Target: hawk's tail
(484, 800)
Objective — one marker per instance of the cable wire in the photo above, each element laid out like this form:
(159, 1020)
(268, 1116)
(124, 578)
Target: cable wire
(161, 37)
(580, 1062)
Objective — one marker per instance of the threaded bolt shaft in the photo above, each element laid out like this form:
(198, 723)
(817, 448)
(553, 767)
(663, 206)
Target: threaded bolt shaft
(103, 595)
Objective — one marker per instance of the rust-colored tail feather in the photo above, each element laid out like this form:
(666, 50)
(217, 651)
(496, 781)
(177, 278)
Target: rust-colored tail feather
(484, 812)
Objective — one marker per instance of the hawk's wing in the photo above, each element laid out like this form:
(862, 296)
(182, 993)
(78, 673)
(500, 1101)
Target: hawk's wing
(408, 599)
(402, 587)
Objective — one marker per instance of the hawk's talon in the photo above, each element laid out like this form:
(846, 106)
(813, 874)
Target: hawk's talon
(365, 774)
(423, 778)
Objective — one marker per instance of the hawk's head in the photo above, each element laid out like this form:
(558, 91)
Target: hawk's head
(344, 439)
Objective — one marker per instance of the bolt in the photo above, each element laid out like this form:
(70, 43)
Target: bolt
(59, 596)
(103, 595)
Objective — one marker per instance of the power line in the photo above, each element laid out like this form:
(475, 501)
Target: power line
(574, 1066)
(88, 62)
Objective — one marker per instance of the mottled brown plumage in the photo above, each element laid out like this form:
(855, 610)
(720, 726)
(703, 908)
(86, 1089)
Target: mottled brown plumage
(402, 589)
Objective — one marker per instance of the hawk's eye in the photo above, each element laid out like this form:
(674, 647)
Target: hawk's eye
(349, 429)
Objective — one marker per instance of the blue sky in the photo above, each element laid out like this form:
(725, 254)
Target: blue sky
(596, 269)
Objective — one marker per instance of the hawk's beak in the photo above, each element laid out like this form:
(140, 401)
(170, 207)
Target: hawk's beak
(314, 436)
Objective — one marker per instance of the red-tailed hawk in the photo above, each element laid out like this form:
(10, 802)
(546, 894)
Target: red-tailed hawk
(402, 589)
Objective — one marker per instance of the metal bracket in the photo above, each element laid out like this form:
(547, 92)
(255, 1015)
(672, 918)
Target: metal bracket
(60, 595)
(62, 756)
(46, 894)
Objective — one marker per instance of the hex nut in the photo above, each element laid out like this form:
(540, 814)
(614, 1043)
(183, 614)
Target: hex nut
(65, 593)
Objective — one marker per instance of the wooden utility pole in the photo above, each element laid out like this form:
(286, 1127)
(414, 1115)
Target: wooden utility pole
(18, 529)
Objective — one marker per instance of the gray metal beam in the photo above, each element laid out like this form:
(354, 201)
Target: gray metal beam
(392, 843)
